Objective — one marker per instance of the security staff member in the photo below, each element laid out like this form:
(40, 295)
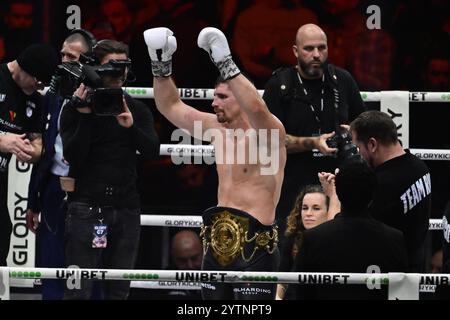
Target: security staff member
(310, 99)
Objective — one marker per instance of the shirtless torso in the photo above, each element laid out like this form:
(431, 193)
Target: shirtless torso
(251, 183)
(242, 184)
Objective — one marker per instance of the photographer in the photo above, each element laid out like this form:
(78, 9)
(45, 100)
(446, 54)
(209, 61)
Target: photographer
(312, 100)
(103, 217)
(402, 198)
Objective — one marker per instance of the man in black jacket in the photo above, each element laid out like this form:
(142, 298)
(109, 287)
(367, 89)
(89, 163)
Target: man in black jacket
(20, 120)
(103, 218)
(311, 99)
(351, 242)
(44, 191)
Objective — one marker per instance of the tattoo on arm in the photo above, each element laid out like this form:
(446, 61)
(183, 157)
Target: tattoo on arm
(299, 144)
(307, 144)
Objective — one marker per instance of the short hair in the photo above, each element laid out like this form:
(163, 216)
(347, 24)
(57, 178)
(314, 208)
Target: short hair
(77, 37)
(220, 80)
(294, 224)
(107, 46)
(355, 184)
(375, 124)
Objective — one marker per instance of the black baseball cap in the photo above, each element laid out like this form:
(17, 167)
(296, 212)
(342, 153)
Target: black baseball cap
(40, 61)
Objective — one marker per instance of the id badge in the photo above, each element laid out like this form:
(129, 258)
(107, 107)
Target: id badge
(100, 233)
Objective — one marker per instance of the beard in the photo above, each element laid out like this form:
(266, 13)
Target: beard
(310, 70)
(221, 118)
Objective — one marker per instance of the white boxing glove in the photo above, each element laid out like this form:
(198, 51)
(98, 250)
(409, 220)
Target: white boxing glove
(161, 45)
(213, 41)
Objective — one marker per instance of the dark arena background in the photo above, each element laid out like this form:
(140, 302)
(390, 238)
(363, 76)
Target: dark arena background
(408, 50)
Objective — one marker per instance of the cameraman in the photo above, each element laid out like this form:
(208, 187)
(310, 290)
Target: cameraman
(311, 99)
(44, 192)
(103, 217)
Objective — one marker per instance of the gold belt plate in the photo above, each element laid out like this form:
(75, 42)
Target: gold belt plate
(227, 237)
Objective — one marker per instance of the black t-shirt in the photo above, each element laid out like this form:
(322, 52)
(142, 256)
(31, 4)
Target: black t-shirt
(101, 152)
(285, 98)
(443, 291)
(403, 200)
(289, 250)
(19, 113)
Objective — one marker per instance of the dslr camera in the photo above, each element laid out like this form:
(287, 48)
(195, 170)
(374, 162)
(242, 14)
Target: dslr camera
(103, 101)
(342, 141)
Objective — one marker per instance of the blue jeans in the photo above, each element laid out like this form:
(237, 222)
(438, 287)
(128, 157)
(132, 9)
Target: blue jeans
(50, 236)
(120, 253)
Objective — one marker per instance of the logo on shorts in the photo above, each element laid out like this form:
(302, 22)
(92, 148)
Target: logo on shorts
(252, 291)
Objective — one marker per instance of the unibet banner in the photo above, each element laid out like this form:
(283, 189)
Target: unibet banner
(22, 247)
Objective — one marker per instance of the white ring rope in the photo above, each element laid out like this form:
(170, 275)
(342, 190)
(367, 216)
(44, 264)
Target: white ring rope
(177, 285)
(152, 220)
(197, 275)
(186, 150)
(183, 285)
(171, 221)
(208, 94)
(180, 150)
(431, 154)
(203, 276)
(166, 285)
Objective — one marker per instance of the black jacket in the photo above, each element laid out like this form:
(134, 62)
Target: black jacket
(284, 97)
(102, 154)
(286, 100)
(348, 244)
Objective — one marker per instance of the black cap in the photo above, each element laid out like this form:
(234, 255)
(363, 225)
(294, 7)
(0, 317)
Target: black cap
(40, 61)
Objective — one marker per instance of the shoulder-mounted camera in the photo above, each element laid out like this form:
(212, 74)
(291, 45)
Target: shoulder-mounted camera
(103, 101)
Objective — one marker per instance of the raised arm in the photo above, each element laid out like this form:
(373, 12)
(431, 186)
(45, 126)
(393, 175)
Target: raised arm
(161, 45)
(214, 42)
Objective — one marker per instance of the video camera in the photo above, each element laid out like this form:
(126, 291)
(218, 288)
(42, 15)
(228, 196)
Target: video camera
(103, 101)
(342, 141)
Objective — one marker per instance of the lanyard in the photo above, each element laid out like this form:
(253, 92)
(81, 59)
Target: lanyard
(316, 113)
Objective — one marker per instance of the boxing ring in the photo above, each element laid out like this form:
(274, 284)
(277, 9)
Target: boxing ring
(400, 285)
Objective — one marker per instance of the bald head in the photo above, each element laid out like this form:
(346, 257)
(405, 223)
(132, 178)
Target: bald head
(308, 31)
(187, 251)
(311, 50)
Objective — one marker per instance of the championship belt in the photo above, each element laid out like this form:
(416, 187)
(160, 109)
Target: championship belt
(227, 237)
